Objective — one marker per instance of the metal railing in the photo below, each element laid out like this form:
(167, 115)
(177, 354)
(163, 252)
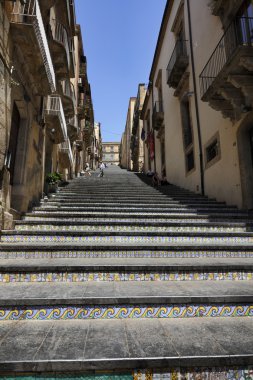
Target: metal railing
(82, 69)
(65, 147)
(238, 33)
(60, 35)
(53, 106)
(68, 90)
(73, 121)
(158, 107)
(29, 13)
(180, 50)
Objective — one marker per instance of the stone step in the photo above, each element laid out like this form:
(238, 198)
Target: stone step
(125, 214)
(99, 251)
(127, 238)
(130, 228)
(147, 208)
(135, 223)
(82, 345)
(131, 269)
(188, 295)
(165, 202)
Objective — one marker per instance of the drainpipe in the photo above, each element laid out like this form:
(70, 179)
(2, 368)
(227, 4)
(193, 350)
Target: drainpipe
(152, 89)
(201, 164)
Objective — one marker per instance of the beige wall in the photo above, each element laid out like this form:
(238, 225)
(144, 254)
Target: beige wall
(111, 153)
(223, 178)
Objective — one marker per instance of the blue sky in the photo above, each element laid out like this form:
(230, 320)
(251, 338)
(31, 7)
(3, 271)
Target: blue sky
(119, 38)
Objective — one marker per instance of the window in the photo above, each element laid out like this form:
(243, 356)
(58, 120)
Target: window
(212, 151)
(190, 164)
(186, 122)
(112, 148)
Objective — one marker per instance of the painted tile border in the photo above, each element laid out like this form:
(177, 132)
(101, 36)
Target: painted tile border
(124, 312)
(124, 276)
(223, 373)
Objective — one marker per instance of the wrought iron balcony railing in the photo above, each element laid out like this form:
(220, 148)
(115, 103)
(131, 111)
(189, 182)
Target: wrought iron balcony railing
(68, 90)
(65, 147)
(158, 115)
(60, 35)
(53, 107)
(28, 13)
(239, 34)
(177, 64)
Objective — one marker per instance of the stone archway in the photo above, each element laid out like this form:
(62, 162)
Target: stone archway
(245, 153)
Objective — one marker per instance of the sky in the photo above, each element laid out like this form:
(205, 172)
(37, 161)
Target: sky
(119, 38)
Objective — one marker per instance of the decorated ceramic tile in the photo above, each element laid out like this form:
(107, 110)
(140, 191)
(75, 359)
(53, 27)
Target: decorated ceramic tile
(124, 312)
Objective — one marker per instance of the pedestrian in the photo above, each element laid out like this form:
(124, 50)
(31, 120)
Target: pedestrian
(87, 169)
(101, 167)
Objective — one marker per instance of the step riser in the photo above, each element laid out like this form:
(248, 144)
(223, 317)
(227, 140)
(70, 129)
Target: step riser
(79, 254)
(127, 239)
(69, 277)
(177, 208)
(130, 229)
(45, 313)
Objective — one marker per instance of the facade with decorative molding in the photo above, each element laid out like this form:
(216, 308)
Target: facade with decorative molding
(46, 113)
(198, 109)
(111, 153)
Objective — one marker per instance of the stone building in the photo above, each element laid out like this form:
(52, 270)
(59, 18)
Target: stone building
(97, 146)
(111, 153)
(198, 108)
(126, 161)
(138, 133)
(40, 119)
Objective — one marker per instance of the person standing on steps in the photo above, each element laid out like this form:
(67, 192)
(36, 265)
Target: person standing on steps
(102, 167)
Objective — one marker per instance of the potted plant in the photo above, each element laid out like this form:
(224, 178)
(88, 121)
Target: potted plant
(52, 180)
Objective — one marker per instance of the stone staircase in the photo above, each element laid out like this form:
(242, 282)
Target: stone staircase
(111, 274)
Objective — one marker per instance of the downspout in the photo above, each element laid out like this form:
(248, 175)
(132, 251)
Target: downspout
(201, 164)
(152, 89)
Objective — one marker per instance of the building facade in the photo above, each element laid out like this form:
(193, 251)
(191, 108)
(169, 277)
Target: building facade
(198, 108)
(138, 132)
(111, 153)
(126, 156)
(41, 116)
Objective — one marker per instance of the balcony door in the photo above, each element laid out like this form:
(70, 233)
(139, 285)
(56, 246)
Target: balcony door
(13, 142)
(245, 23)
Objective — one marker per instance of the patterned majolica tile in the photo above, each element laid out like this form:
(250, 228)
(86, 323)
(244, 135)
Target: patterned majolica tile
(124, 312)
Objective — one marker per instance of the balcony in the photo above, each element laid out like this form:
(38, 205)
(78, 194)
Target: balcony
(178, 63)
(81, 106)
(226, 81)
(72, 127)
(68, 98)
(55, 119)
(60, 48)
(65, 154)
(158, 115)
(83, 70)
(29, 32)
(79, 145)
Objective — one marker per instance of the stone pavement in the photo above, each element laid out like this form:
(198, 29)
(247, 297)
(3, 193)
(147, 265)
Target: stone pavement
(112, 274)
